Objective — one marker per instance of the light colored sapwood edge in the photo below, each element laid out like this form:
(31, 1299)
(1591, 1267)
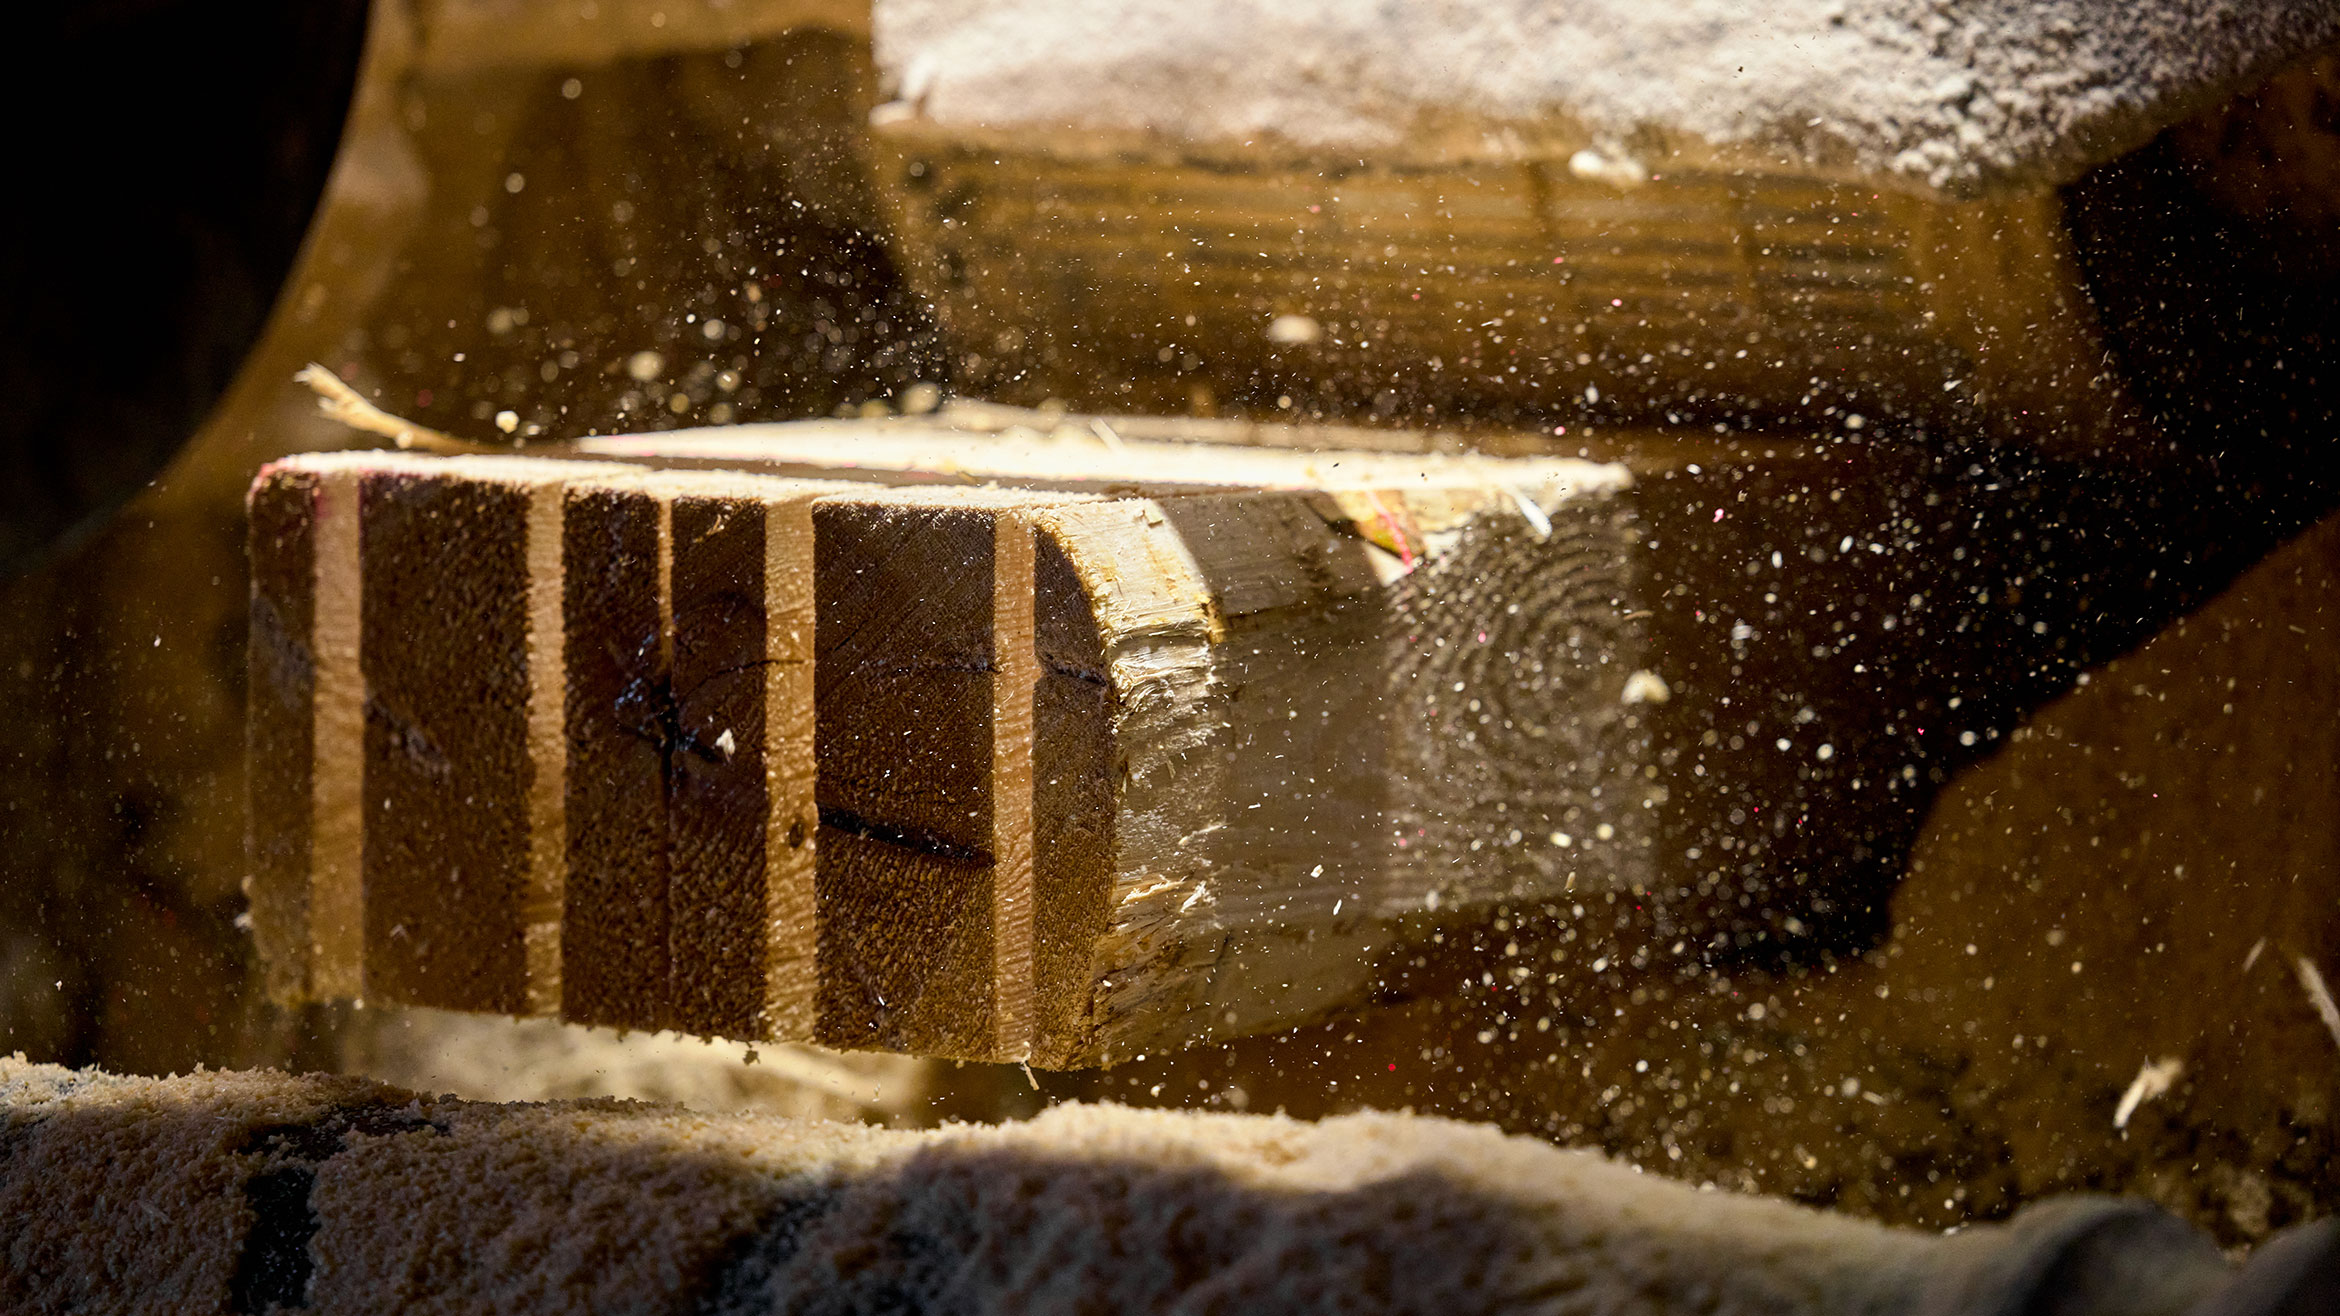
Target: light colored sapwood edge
(337, 925)
(548, 858)
(1014, 686)
(663, 499)
(792, 829)
(1073, 456)
(1454, 437)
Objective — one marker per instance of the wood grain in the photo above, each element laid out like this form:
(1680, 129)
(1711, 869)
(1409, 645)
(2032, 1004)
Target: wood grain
(1073, 803)
(926, 672)
(447, 767)
(719, 808)
(337, 860)
(614, 924)
(1083, 773)
(1014, 687)
(790, 920)
(1731, 292)
(689, 746)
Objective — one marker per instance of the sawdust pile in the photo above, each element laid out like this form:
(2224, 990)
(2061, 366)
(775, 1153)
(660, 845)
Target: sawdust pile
(246, 1191)
(1958, 95)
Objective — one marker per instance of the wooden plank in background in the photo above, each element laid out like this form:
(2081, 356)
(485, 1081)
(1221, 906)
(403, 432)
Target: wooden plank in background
(1715, 292)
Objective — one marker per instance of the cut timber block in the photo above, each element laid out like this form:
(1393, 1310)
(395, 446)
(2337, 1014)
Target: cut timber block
(1037, 828)
(1107, 746)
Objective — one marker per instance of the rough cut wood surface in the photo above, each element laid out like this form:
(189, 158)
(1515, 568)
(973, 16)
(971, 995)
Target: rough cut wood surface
(688, 899)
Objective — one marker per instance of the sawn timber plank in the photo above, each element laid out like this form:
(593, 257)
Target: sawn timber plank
(1101, 746)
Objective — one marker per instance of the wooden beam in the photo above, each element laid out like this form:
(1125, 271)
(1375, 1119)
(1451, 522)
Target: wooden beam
(1115, 745)
(1713, 290)
(1026, 843)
